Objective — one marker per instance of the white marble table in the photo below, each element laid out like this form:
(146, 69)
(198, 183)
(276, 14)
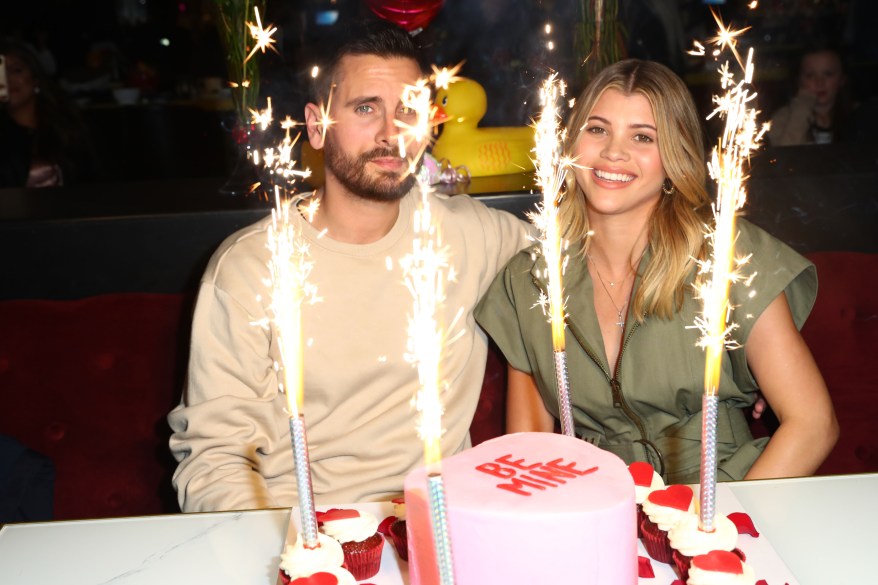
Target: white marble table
(821, 529)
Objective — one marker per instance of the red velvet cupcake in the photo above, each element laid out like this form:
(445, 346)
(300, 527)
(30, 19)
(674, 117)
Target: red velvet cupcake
(687, 540)
(646, 480)
(663, 509)
(398, 534)
(357, 532)
(299, 563)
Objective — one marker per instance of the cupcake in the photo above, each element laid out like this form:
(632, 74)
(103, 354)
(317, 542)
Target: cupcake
(646, 480)
(687, 540)
(663, 509)
(298, 563)
(720, 567)
(398, 535)
(357, 532)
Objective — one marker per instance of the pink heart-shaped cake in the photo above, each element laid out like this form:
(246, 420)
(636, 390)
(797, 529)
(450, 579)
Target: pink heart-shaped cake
(719, 561)
(678, 497)
(337, 514)
(642, 473)
(316, 579)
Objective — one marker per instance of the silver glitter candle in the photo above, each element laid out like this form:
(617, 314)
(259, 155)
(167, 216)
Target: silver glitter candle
(303, 482)
(441, 538)
(708, 462)
(563, 386)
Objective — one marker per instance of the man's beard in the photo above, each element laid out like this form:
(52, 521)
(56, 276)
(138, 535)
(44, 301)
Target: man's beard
(351, 173)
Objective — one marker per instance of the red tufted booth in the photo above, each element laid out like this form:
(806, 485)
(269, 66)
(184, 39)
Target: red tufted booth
(89, 382)
(842, 333)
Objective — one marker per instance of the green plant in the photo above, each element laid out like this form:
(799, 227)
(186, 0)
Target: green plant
(242, 61)
(600, 37)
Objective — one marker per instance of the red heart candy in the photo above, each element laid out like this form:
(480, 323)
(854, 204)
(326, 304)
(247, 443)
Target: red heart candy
(720, 561)
(316, 579)
(337, 514)
(744, 524)
(642, 473)
(644, 568)
(678, 497)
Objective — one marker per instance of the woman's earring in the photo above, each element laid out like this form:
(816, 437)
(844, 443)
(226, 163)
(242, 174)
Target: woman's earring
(668, 187)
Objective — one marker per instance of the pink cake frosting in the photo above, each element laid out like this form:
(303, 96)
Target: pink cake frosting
(528, 508)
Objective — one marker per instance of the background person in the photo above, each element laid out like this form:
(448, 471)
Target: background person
(43, 140)
(819, 111)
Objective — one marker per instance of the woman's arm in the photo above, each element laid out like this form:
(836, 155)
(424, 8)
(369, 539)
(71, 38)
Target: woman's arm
(525, 410)
(795, 390)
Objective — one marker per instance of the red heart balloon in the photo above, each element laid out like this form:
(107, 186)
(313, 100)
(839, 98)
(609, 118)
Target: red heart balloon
(719, 561)
(408, 14)
(642, 473)
(316, 579)
(337, 514)
(676, 496)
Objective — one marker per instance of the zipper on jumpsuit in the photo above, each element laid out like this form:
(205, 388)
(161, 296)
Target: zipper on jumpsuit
(616, 391)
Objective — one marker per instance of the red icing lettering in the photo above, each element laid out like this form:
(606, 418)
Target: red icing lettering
(518, 463)
(537, 480)
(517, 486)
(569, 467)
(539, 476)
(556, 475)
(498, 470)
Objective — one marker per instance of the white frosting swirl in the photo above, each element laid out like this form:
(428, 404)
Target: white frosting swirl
(298, 561)
(665, 517)
(701, 577)
(690, 541)
(641, 491)
(355, 529)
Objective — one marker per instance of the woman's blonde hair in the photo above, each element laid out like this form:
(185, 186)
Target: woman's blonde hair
(676, 227)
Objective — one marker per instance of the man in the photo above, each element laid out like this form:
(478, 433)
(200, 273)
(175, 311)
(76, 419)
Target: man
(231, 434)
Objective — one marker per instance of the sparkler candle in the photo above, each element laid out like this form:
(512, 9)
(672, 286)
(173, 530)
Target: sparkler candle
(551, 171)
(290, 267)
(426, 270)
(739, 138)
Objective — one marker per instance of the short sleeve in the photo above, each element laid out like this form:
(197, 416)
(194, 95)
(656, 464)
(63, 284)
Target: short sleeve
(772, 268)
(498, 312)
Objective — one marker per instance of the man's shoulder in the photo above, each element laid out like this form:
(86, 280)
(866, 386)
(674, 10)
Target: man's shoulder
(246, 246)
(467, 208)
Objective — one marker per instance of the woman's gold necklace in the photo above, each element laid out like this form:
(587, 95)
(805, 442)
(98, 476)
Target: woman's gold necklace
(620, 321)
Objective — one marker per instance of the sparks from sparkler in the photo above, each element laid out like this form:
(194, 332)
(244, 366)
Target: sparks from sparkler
(426, 271)
(262, 36)
(551, 170)
(740, 137)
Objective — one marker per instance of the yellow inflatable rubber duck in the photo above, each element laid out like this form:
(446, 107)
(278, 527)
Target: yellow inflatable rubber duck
(484, 151)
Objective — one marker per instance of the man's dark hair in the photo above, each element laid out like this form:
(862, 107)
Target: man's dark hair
(375, 37)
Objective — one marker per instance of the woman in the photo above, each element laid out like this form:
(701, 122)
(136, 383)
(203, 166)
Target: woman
(818, 113)
(635, 217)
(42, 137)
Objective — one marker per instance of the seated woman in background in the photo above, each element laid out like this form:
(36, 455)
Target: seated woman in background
(635, 218)
(43, 140)
(818, 112)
